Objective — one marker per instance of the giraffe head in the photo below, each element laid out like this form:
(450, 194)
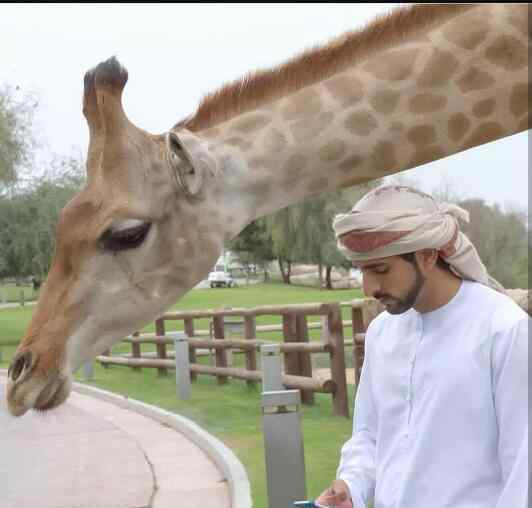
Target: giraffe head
(144, 230)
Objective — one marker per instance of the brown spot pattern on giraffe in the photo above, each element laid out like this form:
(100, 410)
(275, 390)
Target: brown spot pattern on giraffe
(251, 122)
(345, 89)
(351, 163)
(439, 69)
(394, 65)
(427, 103)
(485, 132)
(422, 135)
(468, 30)
(458, 126)
(383, 158)
(525, 124)
(484, 108)
(385, 101)
(475, 79)
(519, 20)
(361, 123)
(507, 52)
(332, 151)
(426, 154)
(302, 105)
(293, 167)
(520, 98)
(305, 130)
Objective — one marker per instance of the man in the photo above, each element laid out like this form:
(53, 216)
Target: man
(441, 411)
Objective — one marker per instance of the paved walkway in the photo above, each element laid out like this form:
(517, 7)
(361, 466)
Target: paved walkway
(93, 454)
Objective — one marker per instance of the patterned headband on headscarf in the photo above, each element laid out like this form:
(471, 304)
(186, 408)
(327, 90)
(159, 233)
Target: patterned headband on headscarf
(395, 219)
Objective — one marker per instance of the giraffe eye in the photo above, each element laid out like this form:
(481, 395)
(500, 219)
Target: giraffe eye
(115, 240)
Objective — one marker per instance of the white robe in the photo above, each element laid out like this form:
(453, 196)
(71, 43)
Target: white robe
(441, 412)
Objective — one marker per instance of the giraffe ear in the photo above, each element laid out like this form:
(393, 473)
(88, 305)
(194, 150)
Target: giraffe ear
(187, 164)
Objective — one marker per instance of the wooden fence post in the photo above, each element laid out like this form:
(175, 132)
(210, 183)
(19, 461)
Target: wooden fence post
(291, 360)
(221, 358)
(135, 349)
(357, 323)
(161, 348)
(305, 363)
(189, 330)
(362, 317)
(336, 340)
(371, 309)
(250, 331)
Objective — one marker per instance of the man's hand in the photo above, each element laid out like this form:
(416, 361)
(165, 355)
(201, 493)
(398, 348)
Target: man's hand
(336, 495)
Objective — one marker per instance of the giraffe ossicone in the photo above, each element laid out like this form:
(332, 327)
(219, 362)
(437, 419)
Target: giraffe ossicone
(422, 83)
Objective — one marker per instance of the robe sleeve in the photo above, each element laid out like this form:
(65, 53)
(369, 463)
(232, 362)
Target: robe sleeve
(357, 461)
(510, 393)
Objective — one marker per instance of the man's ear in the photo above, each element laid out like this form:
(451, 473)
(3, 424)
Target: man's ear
(190, 163)
(427, 258)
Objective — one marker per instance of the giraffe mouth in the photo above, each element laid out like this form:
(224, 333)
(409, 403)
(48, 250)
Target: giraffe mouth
(53, 394)
(33, 395)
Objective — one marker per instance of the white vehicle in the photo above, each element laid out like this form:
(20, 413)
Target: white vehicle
(219, 278)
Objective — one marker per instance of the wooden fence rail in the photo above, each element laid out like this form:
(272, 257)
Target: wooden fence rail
(295, 347)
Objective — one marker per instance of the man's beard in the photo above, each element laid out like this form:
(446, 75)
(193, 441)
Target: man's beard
(402, 304)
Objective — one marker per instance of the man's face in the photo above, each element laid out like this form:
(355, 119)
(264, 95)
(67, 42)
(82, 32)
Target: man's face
(393, 281)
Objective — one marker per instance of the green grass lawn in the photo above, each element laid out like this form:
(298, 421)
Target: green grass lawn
(231, 412)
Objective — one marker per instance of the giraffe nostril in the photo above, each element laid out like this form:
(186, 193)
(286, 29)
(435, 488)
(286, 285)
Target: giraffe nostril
(20, 365)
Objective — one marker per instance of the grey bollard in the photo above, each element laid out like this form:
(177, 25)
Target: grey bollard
(283, 445)
(88, 371)
(272, 373)
(182, 364)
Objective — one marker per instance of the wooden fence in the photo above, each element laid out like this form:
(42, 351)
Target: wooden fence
(295, 347)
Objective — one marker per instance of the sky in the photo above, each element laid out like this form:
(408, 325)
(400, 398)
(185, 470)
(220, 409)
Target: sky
(177, 53)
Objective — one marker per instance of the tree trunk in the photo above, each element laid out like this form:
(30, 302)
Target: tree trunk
(320, 275)
(328, 281)
(285, 271)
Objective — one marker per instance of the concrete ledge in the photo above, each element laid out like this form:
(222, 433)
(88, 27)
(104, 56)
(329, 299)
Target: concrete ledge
(221, 455)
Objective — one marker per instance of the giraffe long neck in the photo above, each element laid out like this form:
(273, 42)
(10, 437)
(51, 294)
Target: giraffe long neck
(460, 84)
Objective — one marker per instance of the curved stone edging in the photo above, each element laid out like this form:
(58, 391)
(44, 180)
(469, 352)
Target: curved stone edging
(221, 455)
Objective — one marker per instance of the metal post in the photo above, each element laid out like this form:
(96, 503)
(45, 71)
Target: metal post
(182, 364)
(283, 445)
(88, 371)
(272, 379)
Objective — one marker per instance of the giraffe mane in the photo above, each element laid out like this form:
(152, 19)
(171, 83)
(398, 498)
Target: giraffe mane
(316, 64)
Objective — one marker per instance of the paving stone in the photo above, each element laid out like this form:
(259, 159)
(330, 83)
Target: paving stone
(89, 453)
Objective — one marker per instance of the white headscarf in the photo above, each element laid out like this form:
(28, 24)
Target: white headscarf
(394, 219)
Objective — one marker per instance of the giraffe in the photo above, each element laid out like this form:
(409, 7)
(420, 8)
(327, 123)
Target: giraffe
(419, 84)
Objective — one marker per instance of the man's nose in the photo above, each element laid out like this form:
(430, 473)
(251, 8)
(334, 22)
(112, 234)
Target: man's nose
(370, 286)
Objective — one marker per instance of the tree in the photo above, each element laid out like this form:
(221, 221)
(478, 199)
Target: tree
(28, 217)
(253, 246)
(282, 228)
(500, 239)
(316, 242)
(16, 137)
